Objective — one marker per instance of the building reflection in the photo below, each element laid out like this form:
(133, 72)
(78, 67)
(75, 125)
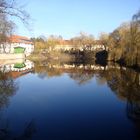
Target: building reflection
(9, 71)
(17, 68)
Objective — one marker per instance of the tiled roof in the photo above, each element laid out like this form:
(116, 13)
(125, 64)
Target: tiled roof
(20, 39)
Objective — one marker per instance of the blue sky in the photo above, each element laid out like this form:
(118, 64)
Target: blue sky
(69, 17)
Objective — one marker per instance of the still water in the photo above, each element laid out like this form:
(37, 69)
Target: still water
(57, 101)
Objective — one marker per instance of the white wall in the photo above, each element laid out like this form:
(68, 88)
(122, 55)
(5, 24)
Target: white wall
(9, 48)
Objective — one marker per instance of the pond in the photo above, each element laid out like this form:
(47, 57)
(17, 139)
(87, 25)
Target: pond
(68, 101)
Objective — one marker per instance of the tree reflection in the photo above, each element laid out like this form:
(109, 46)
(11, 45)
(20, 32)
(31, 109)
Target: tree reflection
(29, 131)
(133, 110)
(133, 113)
(27, 134)
(124, 82)
(81, 78)
(44, 69)
(101, 80)
(81, 73)
(126, 85)
(7, 88)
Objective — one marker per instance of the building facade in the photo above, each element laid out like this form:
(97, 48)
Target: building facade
(66, 45)
(17, 44)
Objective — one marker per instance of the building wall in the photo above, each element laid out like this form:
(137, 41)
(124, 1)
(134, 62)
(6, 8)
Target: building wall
(63, 47)
(29, 48)
(9, 48)
(70, 47)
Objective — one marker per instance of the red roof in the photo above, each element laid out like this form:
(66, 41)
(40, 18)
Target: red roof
(20, 39)
(64, 42)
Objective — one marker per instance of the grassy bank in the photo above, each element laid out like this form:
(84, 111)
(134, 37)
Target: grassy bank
(51, 56)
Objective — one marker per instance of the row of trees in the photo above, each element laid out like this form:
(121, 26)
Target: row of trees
(46, 48)
(124, 42)
(41, 43)
(81, 40)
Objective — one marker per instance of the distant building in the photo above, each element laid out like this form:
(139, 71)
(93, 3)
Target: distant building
(63, 45)
(66, 45)
(17, 44)
(96, 46)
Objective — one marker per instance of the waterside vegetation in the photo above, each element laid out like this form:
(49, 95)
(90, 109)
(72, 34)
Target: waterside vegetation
(122, 45)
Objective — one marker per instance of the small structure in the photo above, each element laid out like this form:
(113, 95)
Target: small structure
(17, 44)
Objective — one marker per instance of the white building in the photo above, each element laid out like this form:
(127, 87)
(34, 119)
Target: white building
(66, 45)
(17, 44)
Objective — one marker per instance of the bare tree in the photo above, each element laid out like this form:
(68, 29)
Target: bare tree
(135, 36)
(7, 89)
(11, 8)
(104, 39)
(6, 29)
(83, 40)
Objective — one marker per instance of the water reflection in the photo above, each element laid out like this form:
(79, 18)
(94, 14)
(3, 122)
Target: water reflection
(16, 65)
(10, 70)
(123, 82)
(6, 133)
(7, 89)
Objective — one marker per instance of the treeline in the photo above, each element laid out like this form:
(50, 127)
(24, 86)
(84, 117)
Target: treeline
(45, 48)
(43, 43)
(122, 45)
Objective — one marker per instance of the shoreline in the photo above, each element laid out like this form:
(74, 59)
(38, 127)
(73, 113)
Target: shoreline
(12, 56)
